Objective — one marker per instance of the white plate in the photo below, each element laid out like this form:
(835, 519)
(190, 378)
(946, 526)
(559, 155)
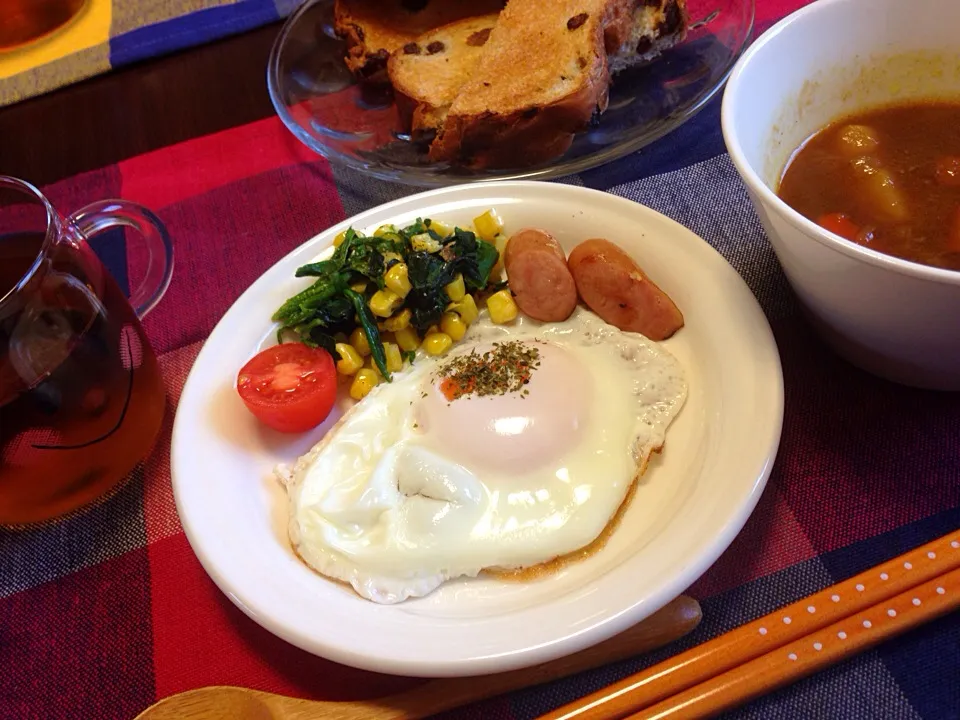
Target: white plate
(692, 502)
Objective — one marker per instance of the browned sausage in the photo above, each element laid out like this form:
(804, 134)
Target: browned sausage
(538, 275)
(616, 289)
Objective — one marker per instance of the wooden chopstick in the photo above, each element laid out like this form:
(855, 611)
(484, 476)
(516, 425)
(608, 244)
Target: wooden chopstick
(775, 630)
(814, 652)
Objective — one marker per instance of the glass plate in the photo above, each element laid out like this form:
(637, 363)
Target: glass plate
(357, 126)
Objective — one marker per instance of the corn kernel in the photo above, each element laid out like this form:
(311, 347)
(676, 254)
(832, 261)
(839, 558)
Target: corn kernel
(363, 382)
(440, 228)
(453, 325)
(488, 225)
(407, 338)
(397, 279)
(502, 307)
(398, 321)
(385, 230)
(371, 365)
(338, 240)
(359, 286)
(394, 358)
(437, 343)
(359, 341)
(466, 309)
(432, 329)
(455, 289)
(384, 302)
(350, 360)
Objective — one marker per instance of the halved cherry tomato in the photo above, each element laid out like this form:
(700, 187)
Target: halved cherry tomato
(948, 171)
(839, 224)
(289, 387)
(953, 233)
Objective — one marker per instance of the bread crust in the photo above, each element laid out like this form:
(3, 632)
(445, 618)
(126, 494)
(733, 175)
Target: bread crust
(373, 29)
(523, 138)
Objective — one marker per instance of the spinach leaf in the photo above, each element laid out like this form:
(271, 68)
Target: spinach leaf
(426, 306)
(367, 261)
(427, 270)
(471, 257)
(334, 263)
(312, 334)
(336, 314)
(427, 299)
(417, 228)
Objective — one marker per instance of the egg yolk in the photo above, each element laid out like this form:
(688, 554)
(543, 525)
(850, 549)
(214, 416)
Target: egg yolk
(518, 430)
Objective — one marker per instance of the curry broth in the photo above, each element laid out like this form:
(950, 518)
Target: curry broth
(887, 178)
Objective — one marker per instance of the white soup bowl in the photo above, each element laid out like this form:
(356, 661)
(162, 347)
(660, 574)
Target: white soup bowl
(892, 317)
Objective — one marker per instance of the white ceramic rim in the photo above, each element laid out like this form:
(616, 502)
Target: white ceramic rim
(558, 640)
(732, 95)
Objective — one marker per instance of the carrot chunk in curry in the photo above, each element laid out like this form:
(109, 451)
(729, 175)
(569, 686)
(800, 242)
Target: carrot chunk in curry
(887, 178)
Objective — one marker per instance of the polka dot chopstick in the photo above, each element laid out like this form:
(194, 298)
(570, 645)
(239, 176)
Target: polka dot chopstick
(788, 644)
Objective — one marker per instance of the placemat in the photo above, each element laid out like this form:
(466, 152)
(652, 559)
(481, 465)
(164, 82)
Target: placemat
(104, 613)
(108, 34)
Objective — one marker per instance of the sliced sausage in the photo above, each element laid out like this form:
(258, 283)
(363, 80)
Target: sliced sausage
(616, 289)
(538, 275)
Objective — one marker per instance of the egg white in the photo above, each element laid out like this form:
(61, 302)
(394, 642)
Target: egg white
(410, 490)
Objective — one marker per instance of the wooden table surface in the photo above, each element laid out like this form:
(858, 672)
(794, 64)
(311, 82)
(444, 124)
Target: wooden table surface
(137, 108)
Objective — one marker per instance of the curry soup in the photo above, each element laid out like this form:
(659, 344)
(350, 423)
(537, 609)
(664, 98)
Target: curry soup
(887, 178)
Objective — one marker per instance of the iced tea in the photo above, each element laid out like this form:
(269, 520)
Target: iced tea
(81, 397)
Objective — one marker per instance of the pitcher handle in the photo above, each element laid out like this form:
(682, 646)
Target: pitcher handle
(106, 214)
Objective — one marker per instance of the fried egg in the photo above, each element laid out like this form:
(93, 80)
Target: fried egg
(517, 447)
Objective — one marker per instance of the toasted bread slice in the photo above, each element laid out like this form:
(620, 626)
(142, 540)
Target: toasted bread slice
(375, 28)
(540, 80)
(545, 72)
(428, 73)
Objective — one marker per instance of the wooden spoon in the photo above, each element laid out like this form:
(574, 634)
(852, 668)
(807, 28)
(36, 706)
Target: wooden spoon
(233, 703)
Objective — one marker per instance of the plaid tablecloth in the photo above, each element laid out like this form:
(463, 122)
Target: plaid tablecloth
(107, 34)
(104, 613)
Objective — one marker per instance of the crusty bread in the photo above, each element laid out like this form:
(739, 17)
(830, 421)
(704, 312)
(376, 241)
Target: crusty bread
(375, 28)
(545, 72)
(517, 99)
(428, 73)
